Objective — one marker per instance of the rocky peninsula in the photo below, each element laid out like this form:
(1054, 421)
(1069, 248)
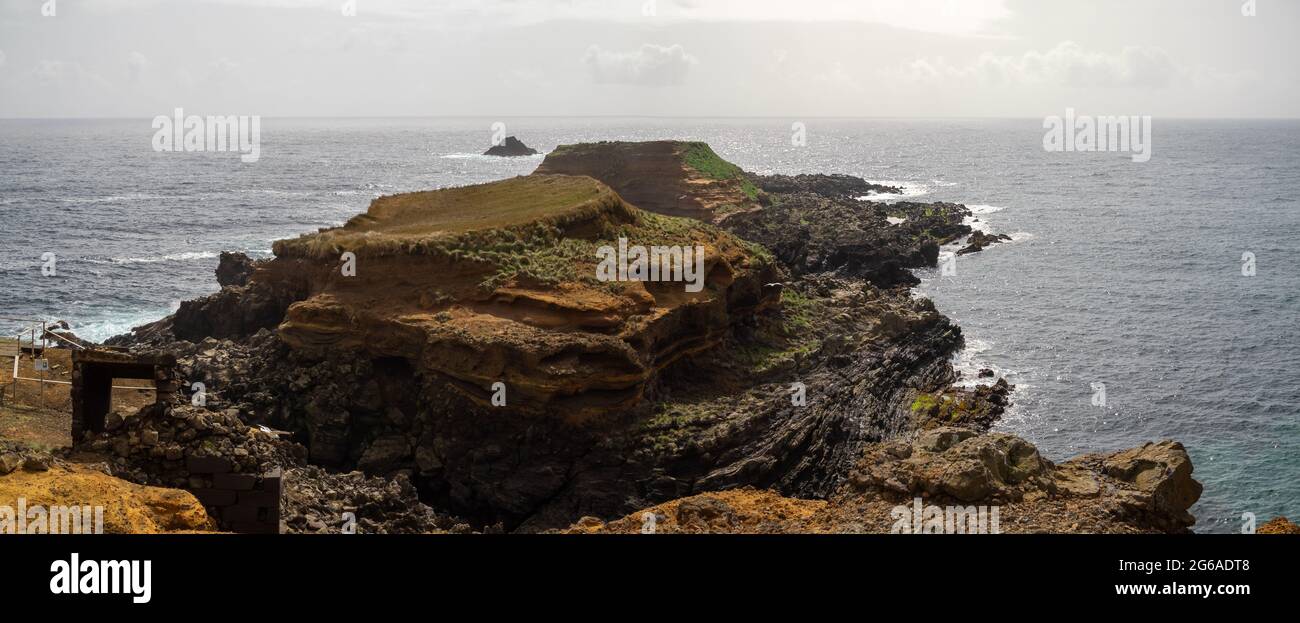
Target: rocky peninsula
(451, 361)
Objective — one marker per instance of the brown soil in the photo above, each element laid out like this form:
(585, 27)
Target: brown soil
(41, 428)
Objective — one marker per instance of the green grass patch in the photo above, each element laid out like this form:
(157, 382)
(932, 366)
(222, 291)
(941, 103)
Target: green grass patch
(673, 424)
(925, 402)
(798, 310)
(702, 158)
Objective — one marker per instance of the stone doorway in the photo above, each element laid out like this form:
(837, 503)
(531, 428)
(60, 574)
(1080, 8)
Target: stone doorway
(93, 372)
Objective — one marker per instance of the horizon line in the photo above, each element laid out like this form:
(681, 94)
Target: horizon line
(636, 116)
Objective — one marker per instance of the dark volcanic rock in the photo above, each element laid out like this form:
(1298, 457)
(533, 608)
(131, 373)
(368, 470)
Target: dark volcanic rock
(316, 501)
(812, 232)
(833, 186)
(153, 445)
(61, 336)
(234, 269)
(240, 309)
(511, 147)
(234, 312)
(979, 240)
(716, 421)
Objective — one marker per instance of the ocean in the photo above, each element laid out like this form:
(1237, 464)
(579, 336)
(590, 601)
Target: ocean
(1120, 276)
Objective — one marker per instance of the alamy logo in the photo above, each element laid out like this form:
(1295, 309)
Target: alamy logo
(947, 264)
(656, 263)
(923, 518)
(38, 519)
(102, 577)
(498, 394)
(237, 133)
(1099, 395)
(798, 394)
(1247, 264)
(200, 396)
(798, 134)
(1084, 133)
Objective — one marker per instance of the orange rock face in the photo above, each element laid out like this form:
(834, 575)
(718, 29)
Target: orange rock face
(1278, 525)
(125, 507)
(499, 283)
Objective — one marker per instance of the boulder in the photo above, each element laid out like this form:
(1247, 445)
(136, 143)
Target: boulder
(234, 269)
(956, 462)
(10, 461)
(1278, 525)
(979, 240)
(1163, 471)
(384, 454)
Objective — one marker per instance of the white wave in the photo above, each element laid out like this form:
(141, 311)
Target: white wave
(487, 158)
(911, 190)
(100, 330)
(117, 198)
(979, 208)
(276, 192)
(174, 257)
(977, 224)
(17, 266)
(895, 220)
(971, 359)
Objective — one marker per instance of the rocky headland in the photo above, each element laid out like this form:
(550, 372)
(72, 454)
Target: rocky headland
(458, 347)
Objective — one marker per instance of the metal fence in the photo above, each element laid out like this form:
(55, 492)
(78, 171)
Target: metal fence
(33, 331)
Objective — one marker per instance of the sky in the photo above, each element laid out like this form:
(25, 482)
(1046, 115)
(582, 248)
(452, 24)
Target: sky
(669, 58)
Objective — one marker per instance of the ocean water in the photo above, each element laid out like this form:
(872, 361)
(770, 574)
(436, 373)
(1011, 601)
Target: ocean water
(1123, 274)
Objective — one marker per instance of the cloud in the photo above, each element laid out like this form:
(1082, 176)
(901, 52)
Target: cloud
(65, 74)
(838, 80)
(2, 58)
(949, 16)
(1068, 64)
(222, 70)
(135, 65)
(651, 65)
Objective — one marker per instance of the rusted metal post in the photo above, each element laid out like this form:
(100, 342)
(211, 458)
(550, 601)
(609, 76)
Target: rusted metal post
(18, 353)
(46, 368)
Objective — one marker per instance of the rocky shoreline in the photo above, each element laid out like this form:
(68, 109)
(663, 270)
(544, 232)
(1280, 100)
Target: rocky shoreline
(803, 375)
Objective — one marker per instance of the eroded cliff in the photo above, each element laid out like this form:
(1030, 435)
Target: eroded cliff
(379, 344)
